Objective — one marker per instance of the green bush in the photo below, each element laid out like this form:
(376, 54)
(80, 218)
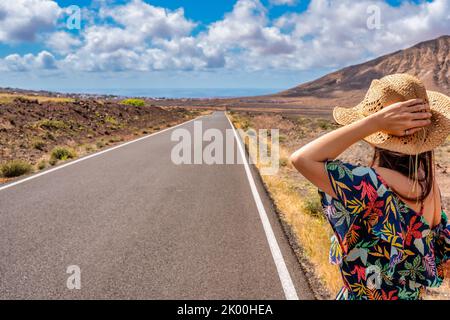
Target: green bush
(62, 153)
(51, 124)
(115, 139)
(134, 102)
(89, 148)
(325, 124)
(42, 165)
(312, 205)
(15, 168)
(39, 145)
(111, 120)
(100, 144)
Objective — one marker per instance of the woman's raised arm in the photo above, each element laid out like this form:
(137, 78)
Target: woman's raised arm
(404, 118)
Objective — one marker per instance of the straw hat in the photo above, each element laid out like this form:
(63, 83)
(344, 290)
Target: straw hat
(397, 88)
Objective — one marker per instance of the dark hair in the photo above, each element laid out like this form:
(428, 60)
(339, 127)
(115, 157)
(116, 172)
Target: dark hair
(416, 167)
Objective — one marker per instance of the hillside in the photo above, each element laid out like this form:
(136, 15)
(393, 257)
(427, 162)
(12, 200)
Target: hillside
(429, 60)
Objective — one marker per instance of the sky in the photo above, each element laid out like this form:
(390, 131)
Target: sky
(66, 45)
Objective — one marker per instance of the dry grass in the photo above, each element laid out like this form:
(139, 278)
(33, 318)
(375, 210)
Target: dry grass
(311, 231)
(9, 97)
(296, 199)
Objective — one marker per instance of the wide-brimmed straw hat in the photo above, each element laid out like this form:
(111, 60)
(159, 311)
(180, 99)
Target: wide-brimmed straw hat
(397, 88)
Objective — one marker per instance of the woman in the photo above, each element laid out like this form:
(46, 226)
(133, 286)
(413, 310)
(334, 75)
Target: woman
(391, 236)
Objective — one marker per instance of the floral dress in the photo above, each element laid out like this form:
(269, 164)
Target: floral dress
(385, 250)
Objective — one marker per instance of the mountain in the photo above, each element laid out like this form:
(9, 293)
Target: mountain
(429, 61)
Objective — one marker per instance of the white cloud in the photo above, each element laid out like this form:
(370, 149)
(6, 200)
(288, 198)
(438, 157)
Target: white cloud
(246, 37)
(23, 20)
(43, 61)
(149, 21)
(335, 33)
(62, 42)
(141, 37)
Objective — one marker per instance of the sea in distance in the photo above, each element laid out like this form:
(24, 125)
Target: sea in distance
(176, 92)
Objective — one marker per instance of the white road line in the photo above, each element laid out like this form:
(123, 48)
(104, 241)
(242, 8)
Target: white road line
(12, 184)
(283, 272)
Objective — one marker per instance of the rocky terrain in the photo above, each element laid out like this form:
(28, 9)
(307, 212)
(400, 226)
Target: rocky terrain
(31, 129)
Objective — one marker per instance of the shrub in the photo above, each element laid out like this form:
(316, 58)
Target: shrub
(15, 168)
(51, 124)
(312, 205)
(134, 102)
(50, 136)
(62, 153)
(325, 124)
(39, 144)
(111, 120)
(284, 162)
(100, 144)
(89, 148)
(42, 165)
(115, 139)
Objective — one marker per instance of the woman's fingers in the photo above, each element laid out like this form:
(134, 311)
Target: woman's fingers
(420, 123)
(412, 131)
(421, 115)
(419, 108)
(412, 103)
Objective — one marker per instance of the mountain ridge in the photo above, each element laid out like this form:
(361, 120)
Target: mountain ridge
(428, 60)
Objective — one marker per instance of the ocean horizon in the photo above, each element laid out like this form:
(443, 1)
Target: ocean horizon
(174, 92)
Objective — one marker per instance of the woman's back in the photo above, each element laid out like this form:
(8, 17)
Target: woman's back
(391, 236)
(385, 249)
(431, 207)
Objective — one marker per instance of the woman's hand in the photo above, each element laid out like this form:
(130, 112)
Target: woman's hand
(403, 118)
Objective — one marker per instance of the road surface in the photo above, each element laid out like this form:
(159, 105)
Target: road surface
(140, 227)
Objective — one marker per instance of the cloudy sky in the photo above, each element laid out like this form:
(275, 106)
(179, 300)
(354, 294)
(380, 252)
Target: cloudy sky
(202, 44)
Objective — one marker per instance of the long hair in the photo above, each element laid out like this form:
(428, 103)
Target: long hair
(418, 168)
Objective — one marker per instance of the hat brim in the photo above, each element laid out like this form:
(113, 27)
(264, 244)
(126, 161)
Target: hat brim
(425, 140)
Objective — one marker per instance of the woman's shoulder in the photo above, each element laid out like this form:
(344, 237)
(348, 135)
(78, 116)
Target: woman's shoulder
(352, 181)
(352, 173)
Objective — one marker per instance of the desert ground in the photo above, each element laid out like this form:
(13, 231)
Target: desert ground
(298, 203)
(37, 131)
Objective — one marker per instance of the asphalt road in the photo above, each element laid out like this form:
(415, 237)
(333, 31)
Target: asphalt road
(141, 227)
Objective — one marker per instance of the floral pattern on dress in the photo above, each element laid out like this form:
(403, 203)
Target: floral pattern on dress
(384, 249)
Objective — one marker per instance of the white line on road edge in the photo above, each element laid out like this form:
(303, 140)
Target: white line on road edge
(283, 272)
(12, 184)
